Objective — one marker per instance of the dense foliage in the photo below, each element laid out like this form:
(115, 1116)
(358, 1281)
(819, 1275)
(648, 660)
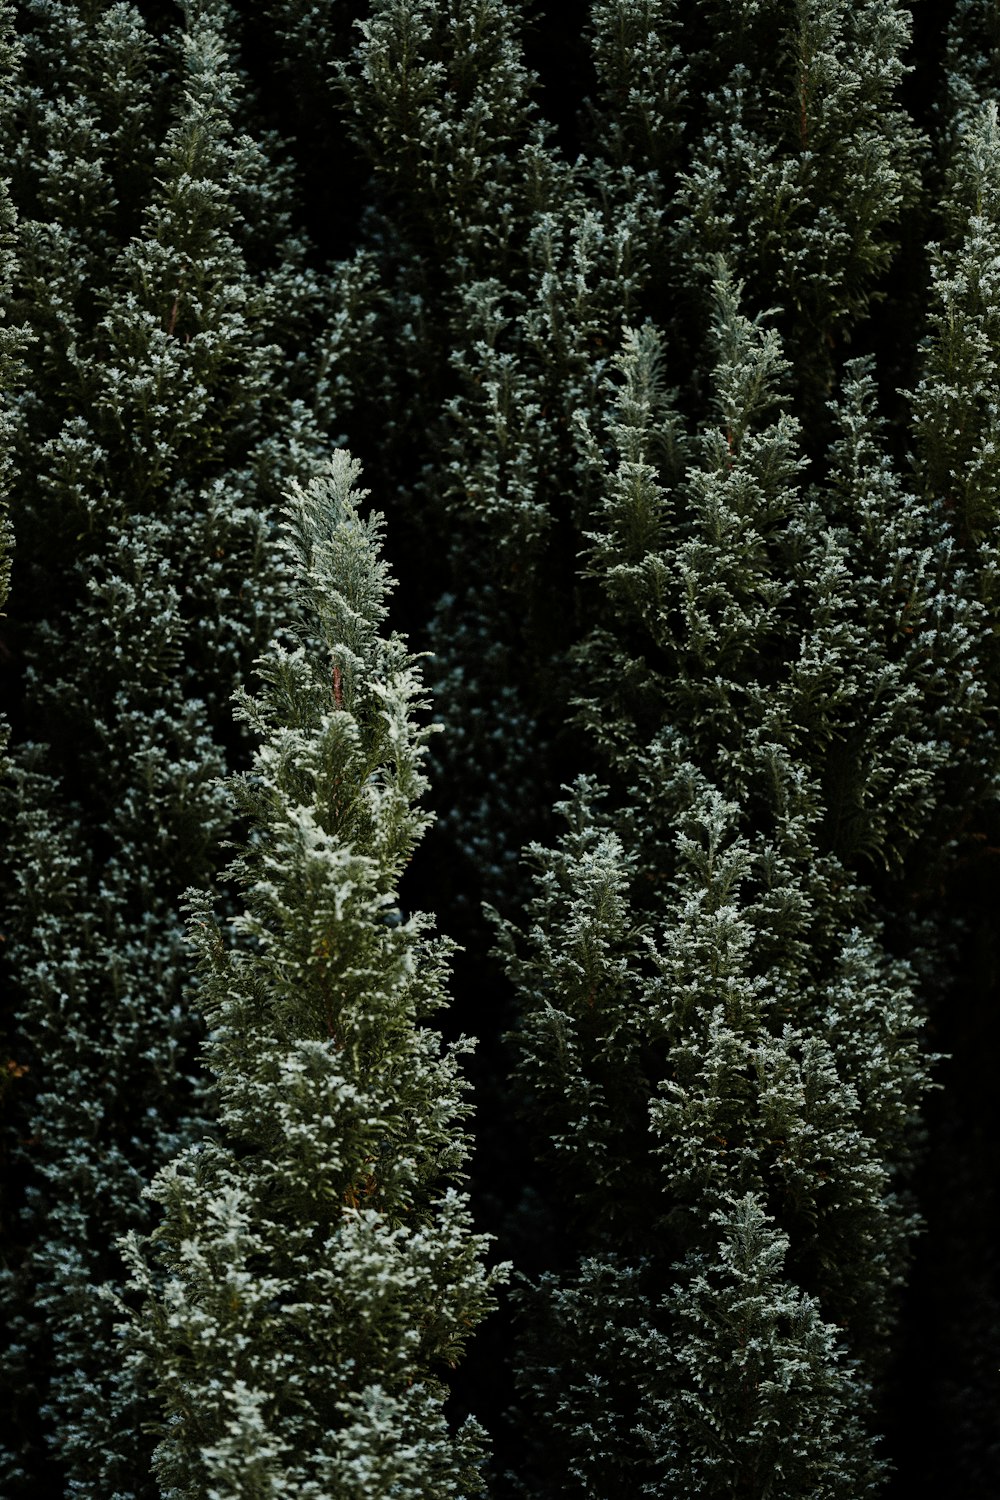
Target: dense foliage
(313, 1267)
(669, 340)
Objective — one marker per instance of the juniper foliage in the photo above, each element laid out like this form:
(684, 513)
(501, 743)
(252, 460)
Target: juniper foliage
(507, 273)
(162, 287)
(730, 585)
(781, 686)
(803, 165)
(10, 337)
(314, 1269)
(954, 414)
(953, 465)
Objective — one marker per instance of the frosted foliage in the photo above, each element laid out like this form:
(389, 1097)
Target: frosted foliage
(315, 1267)
(11, 338)
(440, 104)
(806, 161)
(768, 1403)
(764, 638)
(640, 64)
(971, 59)
(155, 379)
(526, 266)
(5, 540)
(485, 248)
(954, 406)
(783, 689)
(528, 356)
(854, 593)
(691, 1022)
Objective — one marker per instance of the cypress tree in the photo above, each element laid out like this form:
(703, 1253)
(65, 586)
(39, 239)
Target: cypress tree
(640, 67)
(766, 1406)
(163, 288)
(970, 61)
(754, 611)
(783, 682)
(800, 164)
(948, 1367)
(803, 163)
(954, 418)
(314, 1267)
(519, 271)
(508, 272)
(9, 337)
(440, 104)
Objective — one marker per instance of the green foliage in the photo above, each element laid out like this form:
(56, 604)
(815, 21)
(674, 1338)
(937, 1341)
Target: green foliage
(750, 1394)
(972, 54)
(588, 328)
(639, 62)
(849, 595)
(10, 338)
(440, 106)
(438, 101)
(805, 164)
(163, 291)
(11, 342)
(768, 1405)
(953, 435)
(781, 689)
(954, 415)
(315, 1265)
(670, 1071)
(507, 273)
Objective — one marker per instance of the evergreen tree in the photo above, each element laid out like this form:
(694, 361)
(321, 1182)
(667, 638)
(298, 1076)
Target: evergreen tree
(954, 415)
(440, 104)
(783, 683)
(315, 1264)
(803, 163)
(9, 349)
(949, 1375)
(518, 271)
(9, 337)
(739, 591)
(639, 62)
(971, 58)
(766, 1406)
(164, 290)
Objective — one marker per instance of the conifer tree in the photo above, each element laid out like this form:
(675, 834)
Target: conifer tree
(803, 166)
(641, 70)
(769, 1407)
(508, 270)
(954, 415)
(163, 288)
(970, 65)
(779, 691)
(9, 337)
(951, 1379)
(315, 1267)
(799, 162)
(440, 104)
(763, 633)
